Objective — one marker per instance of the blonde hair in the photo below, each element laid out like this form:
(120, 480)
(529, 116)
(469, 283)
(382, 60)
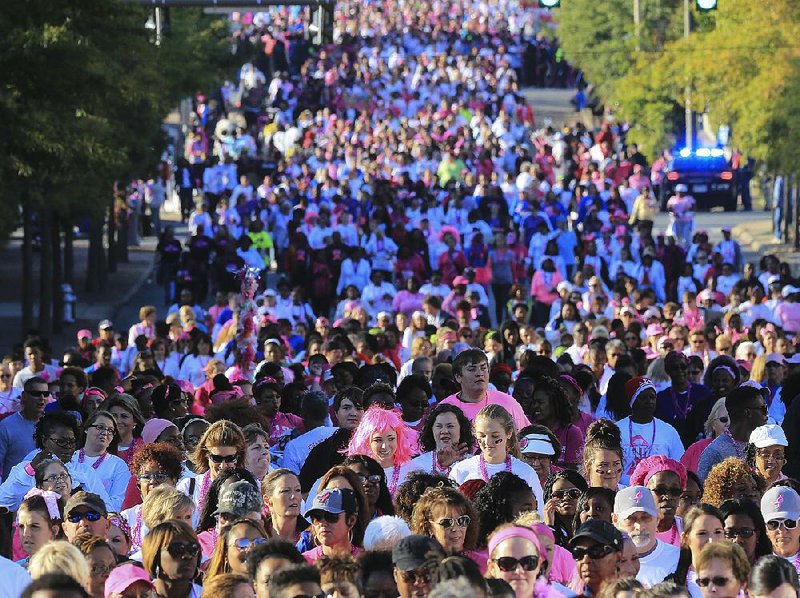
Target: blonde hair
(60, 556)
(162, 503)
(501, 415)
(759, 371)
(146, 310)
(528, 518)
(712, 415)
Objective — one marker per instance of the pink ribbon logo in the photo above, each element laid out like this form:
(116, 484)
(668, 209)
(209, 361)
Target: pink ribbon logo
(779, 502)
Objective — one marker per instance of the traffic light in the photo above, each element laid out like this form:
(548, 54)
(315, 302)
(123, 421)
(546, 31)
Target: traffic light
(549, 3)
(706, 5)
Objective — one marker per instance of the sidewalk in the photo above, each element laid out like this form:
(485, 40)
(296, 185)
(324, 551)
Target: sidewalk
(121, 286)
(757, 239)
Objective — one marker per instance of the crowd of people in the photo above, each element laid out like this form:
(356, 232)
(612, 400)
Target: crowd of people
(480, 369)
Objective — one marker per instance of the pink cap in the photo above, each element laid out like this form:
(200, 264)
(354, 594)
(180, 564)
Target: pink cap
(84, 334)
(185, 386)
(153, 429)
(124, 576)
(460, 280)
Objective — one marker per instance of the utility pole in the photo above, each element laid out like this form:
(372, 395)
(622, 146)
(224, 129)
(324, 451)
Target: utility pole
(688, 104)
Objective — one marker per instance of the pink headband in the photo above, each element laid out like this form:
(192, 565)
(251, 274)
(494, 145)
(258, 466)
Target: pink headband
(515, 531)
(726, 368)
(50, 499)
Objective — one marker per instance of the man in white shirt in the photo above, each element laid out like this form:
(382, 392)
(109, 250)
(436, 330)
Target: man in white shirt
(635, 512)
(314, 411)
(378, 294)
(435, 286)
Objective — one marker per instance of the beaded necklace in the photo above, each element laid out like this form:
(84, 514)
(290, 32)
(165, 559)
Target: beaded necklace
(395, 479)
(96, 464)
(482, 465)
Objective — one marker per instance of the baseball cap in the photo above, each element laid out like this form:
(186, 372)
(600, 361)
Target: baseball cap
(726, 229)
(84, 334)
(239, 499)
(124, 576)
(634, 499)
(270, 293)
(105, 324)
(459, 280)
(600, 531)
(334, 500)
(776, 358)
(627, 310)
(413, 551)
(85, 499)
(564, 285)
(651, 312)
(768, 435)
(654, 330)
(538, 444)
(789, 289)
(793, 360)
(780, 502)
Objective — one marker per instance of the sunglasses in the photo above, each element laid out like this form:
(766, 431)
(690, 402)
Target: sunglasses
(732, 533)
(664, 491)
(39, 393)
(245, 544)
(509, 563)
(179, 550)
(774, 524)
(718, 581)
(152, 477)
(598, 551)
(449, 522)
(723, 420)
(572, 493)
(320, 516)
(218, 459)
(91, 516)
(411, 577)
(373, 479)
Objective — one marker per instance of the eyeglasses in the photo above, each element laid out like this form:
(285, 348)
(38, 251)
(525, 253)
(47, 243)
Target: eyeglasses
(411, 577)
(509, 563)
(102, 569)
(103, 431)
(91, 516)
(449, 522)
(719, 581)
(731, 533)
(245, 544)
(5, 376)
(598, 551)
(774, 524)
(218, 459)
(572, 493)
(159, 478)
(39, 393)
(373, 479)
(319, 516)
(664, 491)
(777, 457)
(57, 478)
(63, 442)
(178, 550)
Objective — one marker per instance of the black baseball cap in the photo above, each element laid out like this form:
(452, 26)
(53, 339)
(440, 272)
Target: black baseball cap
(413, 551)
(600, 531)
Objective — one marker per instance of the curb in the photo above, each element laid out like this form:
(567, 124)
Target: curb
(750, 244)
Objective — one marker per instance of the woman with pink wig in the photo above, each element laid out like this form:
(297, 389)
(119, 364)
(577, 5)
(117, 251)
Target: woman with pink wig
(383, 435)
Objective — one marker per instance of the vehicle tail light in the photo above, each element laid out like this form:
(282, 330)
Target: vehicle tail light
(673, 176)
(726, 175)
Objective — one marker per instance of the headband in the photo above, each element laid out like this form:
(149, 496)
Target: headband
(115, 519)
(726, 368)
(50, 499)
(515, 531)
(643, 386)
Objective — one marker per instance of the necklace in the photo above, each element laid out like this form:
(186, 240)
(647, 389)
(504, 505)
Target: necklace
(736, 444)
(396, 478)
(204, 486)
(96, 464)
(482, 465)
(437, 468)
(137, 530)
(682, 411)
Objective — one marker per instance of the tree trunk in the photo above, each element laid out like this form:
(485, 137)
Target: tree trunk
(112, 238)
(93, 256)
(27, 267)
(122, 237)
(46, 273)
(69, 253)
(58, 276)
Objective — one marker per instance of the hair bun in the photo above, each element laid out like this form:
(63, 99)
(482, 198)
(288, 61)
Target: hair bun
(604, 429)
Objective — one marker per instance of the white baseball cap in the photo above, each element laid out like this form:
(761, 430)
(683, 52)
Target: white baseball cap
(768, 435)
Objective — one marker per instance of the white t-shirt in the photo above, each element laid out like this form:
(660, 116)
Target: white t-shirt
(15, 578)
(296, 451)
(658, 564)
(469, 469)
(666, 441)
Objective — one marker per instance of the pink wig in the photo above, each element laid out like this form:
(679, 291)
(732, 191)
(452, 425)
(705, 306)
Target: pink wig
(378, 419)
(453, 231)
(647, 468)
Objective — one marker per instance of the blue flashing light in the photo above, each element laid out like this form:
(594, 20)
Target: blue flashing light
(685, 152)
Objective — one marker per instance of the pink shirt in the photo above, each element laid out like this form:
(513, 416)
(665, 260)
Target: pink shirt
(691, 458)
(493, 397)
(313, 555)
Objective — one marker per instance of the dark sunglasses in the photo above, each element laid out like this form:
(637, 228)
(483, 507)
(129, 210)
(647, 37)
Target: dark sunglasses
(572, 493)
(664, 491)
(39, 393)
(509, 563)
(718, 581)
(449, 522)
(746, 532)
(179, 550)
(598, 551)
(325, 516)
(91, 516)
(774, 524)
(723, 419)
(223, 458)
(370, 479)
